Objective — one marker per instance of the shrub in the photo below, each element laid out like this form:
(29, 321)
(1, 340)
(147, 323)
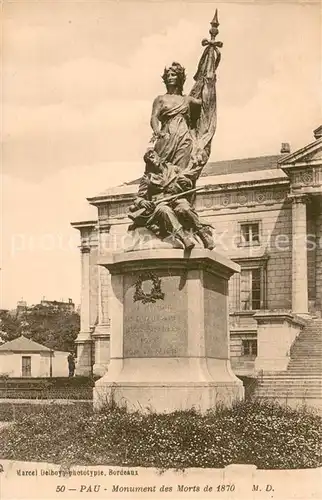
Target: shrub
(78, 387)
(265, 434)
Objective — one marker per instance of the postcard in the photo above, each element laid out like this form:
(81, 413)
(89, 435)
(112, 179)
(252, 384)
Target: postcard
(161, 271)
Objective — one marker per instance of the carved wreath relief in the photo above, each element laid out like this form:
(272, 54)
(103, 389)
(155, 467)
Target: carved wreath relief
(155, 292)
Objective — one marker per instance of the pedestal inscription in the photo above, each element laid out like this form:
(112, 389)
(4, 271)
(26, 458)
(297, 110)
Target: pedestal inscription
(155, 328)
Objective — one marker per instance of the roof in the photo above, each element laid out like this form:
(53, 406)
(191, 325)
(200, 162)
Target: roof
(241, 165)
(248, 177)
(24, 345)
(225, 171)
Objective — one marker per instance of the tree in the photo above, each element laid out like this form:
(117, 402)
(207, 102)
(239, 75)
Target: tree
(47, 325)
(9, 326)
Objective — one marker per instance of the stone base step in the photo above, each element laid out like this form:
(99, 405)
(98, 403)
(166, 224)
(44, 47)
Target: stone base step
(296, 370)
(305, 369)
(305, 353)
(312, 373)
(310, 333)
(285, 394)
(316, 335)
(292, 391)
(286, 373)
(303, 347)
(305, 357)
(296, 378)
(309, 336)
(292, 385)
(305, 362)
(304, 340)
(302, 380)
(311, 345)
(308, 343)
(285, 381)
(314, 403)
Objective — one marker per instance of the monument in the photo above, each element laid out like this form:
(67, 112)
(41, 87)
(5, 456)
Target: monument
(169, 298)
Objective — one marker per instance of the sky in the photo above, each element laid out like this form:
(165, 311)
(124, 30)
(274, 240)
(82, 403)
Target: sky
(78, 81)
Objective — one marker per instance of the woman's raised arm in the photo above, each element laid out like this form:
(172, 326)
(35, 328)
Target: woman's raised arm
(154, 121)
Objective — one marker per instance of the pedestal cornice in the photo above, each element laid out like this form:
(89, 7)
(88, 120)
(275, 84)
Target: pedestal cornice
(212, 261)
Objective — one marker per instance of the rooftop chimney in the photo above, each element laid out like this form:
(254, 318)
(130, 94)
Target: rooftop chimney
(285, 148)
(318, 132)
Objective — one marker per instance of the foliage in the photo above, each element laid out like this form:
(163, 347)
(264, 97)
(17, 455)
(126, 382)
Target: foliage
(10, 326)
(261, 433)
(47, 325)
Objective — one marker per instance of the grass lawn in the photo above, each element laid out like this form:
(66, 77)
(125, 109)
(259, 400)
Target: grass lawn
(265, 434)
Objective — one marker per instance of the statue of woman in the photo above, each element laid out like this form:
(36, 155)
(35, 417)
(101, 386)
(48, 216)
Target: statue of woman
(183, 127)
(171, 119)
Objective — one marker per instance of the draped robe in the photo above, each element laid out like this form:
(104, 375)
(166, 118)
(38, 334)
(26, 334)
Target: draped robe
(176, 146)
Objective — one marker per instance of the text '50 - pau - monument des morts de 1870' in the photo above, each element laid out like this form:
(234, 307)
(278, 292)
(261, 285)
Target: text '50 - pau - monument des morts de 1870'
(182, 290)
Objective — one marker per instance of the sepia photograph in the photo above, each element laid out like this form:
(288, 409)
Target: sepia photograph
(161, 249)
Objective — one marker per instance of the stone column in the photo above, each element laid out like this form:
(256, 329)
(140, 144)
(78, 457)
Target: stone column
(318, 258)
(299, 256)
(84, 341)
(101, 335)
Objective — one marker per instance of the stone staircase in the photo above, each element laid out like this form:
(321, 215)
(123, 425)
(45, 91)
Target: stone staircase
(301, 383)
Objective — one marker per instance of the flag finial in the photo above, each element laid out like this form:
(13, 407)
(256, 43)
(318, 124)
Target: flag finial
(213, 33)
(214, 26)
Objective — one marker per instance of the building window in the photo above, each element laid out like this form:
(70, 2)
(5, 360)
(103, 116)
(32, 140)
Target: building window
(249, 347)
(250, 289)
(249, 233)
(26, 366)
(247, 290)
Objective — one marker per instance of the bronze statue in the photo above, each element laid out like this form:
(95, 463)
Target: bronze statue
(163, 203)
(173, 141)
(183, 127)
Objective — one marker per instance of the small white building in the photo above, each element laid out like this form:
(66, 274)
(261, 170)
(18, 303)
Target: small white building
(23, 357)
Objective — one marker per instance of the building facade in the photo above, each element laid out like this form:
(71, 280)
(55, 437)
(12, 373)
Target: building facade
(60, 305)
(267, 217)
(24, 358)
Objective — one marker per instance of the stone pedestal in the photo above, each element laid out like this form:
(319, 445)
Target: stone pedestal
(276, 333)
(169, 331)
